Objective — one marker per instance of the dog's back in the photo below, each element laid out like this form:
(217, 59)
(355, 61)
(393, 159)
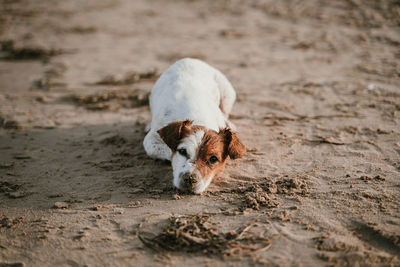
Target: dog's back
(190, 89)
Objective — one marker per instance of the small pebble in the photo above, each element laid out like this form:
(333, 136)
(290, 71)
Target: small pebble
(61, 205)
(137, 191)
(371, 86)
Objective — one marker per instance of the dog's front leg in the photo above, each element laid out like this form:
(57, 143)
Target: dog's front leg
(155, 146)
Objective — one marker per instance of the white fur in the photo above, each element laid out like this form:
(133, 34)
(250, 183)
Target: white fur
(189, 89)
(191, 143)
(182, 164)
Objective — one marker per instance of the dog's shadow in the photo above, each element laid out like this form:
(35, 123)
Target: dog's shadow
(85, 164)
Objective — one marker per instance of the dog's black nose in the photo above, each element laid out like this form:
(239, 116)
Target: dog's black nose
(189, 178)
(189, 181)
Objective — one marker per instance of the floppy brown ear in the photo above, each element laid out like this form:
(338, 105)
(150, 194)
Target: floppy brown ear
(174, 132)
(235, 148)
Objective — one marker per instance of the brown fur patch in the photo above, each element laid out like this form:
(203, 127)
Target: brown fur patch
(235, 147)
(213, 144)
(175, 131)
(221, 145)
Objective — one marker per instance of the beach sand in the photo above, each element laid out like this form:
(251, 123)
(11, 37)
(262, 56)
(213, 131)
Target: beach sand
(318, 108)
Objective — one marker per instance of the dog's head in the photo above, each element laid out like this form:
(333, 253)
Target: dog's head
(199, 154)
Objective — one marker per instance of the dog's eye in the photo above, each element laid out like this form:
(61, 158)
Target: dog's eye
(213, 160)
(182, 151)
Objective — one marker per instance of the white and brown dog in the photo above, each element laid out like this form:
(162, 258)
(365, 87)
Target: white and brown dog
(190, 104)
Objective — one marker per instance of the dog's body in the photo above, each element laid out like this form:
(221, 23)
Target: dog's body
(190, 105)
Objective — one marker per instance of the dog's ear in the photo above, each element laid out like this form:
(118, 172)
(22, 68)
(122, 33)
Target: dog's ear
(234, 147)
(174, 132)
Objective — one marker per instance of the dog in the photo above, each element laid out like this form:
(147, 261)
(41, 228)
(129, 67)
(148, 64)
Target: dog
(190, 104)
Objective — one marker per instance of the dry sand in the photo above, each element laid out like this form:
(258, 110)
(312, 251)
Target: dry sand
(318, 107)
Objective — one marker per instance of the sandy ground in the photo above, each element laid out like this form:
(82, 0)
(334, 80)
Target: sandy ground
(318, 108)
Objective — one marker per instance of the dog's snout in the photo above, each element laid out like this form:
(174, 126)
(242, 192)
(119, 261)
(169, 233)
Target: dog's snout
(189, 181)
(189, 178)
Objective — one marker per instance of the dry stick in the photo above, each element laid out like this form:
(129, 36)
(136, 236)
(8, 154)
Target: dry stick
(194, 239)
(223, 245)
(238, 248)
(244, 230)
(263, 249)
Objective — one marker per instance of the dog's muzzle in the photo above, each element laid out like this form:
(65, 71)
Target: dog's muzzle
(189, 180)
